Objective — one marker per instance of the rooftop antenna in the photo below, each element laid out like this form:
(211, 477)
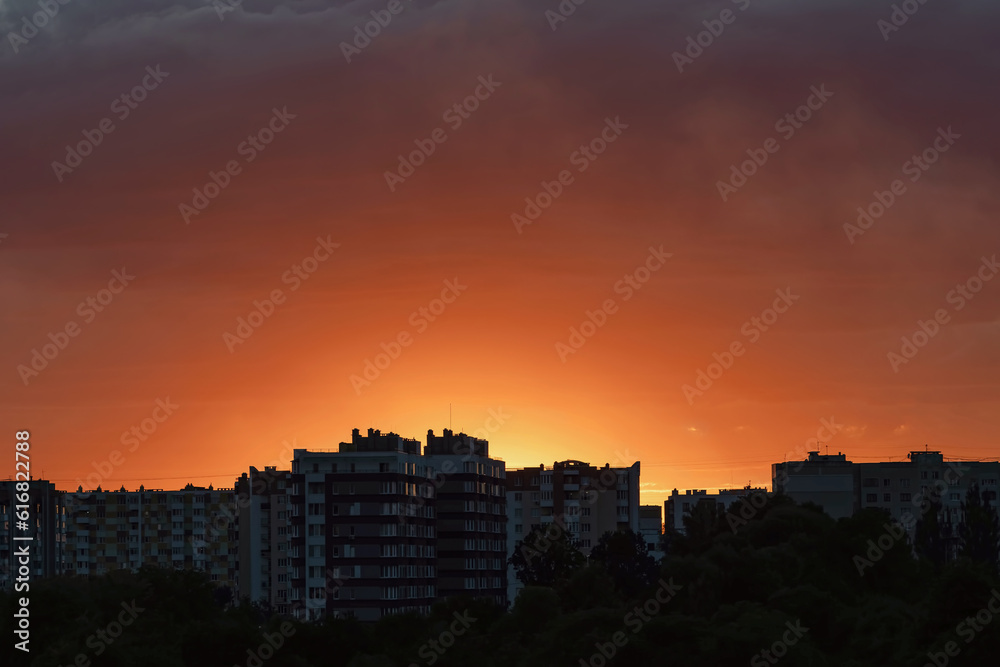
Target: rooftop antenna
(449, 416)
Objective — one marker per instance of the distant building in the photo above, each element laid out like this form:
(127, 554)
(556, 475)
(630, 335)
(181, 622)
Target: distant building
(679, 505)
(46, 524)
(902, 488)
(651, 528)
(828, 480)
(119, 530)
(584, 500)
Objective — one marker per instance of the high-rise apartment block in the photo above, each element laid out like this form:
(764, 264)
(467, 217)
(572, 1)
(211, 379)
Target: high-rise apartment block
(471, 510)
(367, 539)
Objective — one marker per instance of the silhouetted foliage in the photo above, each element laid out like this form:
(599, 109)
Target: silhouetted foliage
(624, 555)
(979, 531)
(545, 556)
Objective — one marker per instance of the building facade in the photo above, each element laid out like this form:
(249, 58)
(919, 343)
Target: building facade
(263, 529)
(46, 525)
(679, 505)
(471, 516)
(586, 501)
(118, 530)
(651, 528)
(904, 489)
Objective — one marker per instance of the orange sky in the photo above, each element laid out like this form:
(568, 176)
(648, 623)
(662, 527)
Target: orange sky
(494, 346)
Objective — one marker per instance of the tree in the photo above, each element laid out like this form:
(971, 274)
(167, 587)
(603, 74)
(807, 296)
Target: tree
(979, 531)
(930, 542)
(706, 520)
(546, 556)
(624, 555)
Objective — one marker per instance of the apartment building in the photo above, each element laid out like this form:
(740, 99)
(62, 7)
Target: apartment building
(651, 528)
(379, 527)
(902, 488)
(828, 480)
(45, 524)
(586, 500)
(471, 516)
(264, 525)
(116, 530)
(363, 539)
(679, 505)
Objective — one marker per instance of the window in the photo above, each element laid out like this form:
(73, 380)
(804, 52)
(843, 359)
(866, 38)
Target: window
(905, 497)
(871, 498)
(886, 482)
(887, 497)
(904, 483)
(871, 481)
